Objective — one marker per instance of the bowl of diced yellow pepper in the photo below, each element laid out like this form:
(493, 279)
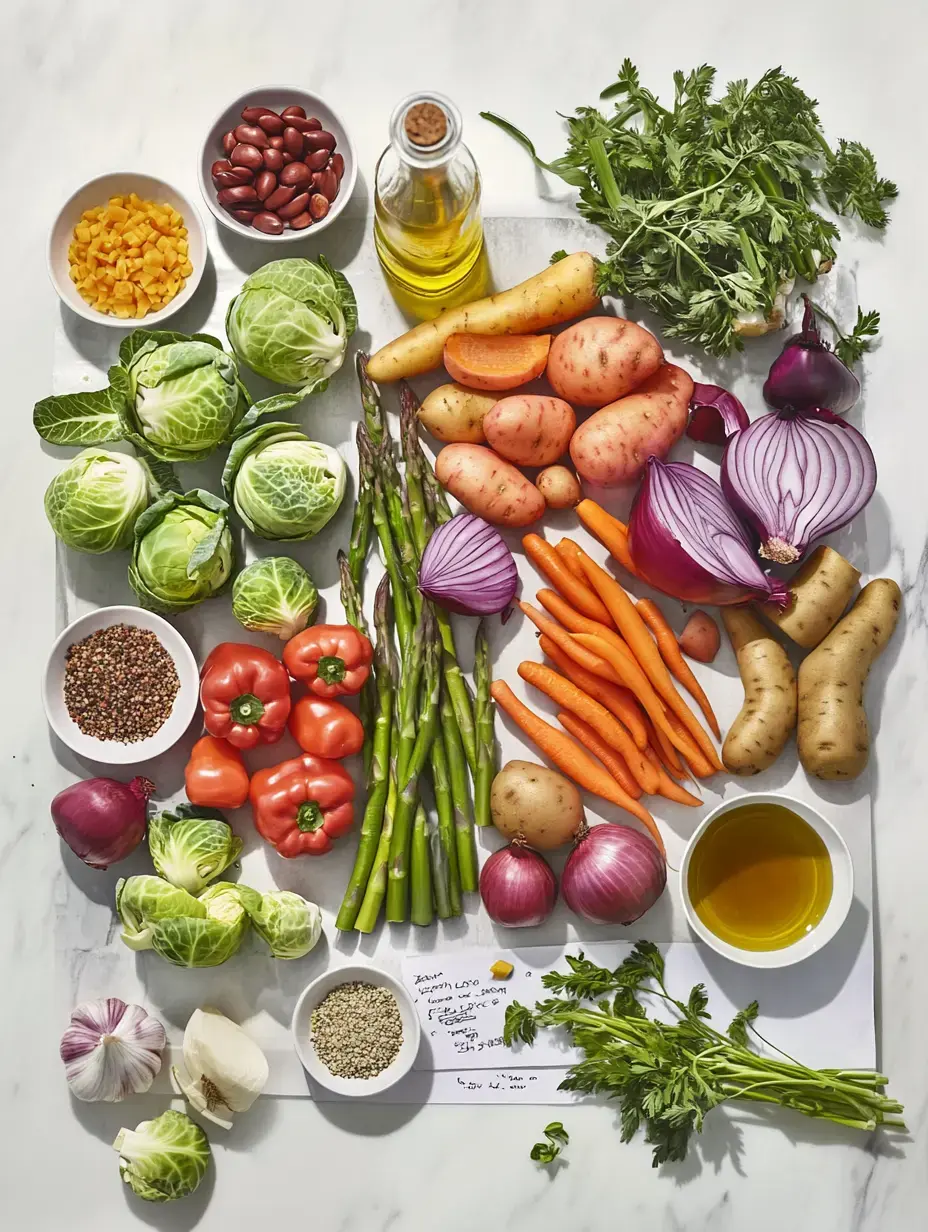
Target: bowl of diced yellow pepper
(126, 247)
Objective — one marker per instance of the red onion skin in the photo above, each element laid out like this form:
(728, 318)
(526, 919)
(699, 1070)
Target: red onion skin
(102, 820)
(715, 414)
(467, 568)
(613, 875)
(807, 376)
(517, 887)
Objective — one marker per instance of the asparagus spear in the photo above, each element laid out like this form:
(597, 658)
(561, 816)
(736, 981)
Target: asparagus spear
(457, 775)
(440, 884)
(367, 702)
(378, 777)
(486, 738)
(421, 910)
(369, 911)
(447, 856)
(401, 609)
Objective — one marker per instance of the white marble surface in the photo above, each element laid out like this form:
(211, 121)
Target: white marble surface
(69, 72)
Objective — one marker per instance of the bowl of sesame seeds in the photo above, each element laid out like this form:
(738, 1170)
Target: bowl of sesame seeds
(121, 686)
(356, 1031)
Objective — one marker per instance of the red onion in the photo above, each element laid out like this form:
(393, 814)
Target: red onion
(102, 820)
(714, 415)
(797, 478)
(518, 887)
(467, 568)
(613, 875)
(807, 376)
(688, 543)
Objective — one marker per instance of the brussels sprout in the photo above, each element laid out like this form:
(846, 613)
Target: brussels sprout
(291, 322)
(163, 1159)
(283, 485)
(175, 396)
(287, 922)
(274, 595)
(191, 846)
(93, 503)
(183, 551)
(144, 901)
(187, 931)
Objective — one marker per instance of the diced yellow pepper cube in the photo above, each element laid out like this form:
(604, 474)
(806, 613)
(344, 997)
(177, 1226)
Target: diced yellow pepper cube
(83, 234)
(186, 269)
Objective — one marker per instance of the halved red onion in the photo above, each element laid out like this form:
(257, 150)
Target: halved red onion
(466, 567)
(686, 540)
(715, 414)
(797, 478)
(613, 875)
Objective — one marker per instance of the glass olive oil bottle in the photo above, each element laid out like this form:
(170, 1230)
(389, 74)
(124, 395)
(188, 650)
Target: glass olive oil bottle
(427, 226)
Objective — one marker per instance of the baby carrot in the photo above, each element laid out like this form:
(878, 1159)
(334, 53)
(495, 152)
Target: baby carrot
(667, 644)
(566, 694)
(568, 551)
(572, 759)
(609, 531)
(614, 762)
(586, 658)
(667, 787)
(578, 593)
(700, 768)
(665, 751)
(573, 620)
(615, 697)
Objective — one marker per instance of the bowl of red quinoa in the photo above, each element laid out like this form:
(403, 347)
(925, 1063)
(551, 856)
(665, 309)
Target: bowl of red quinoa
(121, 686)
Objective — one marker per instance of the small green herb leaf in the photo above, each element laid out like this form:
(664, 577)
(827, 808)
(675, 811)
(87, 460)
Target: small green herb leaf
(547, 1152)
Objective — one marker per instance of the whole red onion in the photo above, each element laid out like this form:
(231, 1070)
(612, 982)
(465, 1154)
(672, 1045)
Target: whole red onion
(613, 875)
(518, 887)
(102, 820)
(807, 376)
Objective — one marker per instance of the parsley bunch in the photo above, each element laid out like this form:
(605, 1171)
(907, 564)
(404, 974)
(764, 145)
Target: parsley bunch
(709, 205)
(669, 1075)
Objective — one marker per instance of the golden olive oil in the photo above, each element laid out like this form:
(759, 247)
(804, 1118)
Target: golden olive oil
(760, 877)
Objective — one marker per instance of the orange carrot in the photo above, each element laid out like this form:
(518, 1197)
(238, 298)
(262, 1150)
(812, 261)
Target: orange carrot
(568, 552)
(699, 766)
(615, 697)
(666, 640)
(586, 658)
(667, 787)
(629, 623)
(571, 758)
(609, 531)
(665, 751)
(573, 620)
(499, 362)
(566, 694)
(577, 593)
(614, 762)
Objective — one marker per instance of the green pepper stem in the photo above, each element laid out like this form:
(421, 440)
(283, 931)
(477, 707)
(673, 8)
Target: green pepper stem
(246, 709)
(331, 669)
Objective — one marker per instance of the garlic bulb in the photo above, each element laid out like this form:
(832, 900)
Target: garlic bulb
(111, 1050)
(223, 1070)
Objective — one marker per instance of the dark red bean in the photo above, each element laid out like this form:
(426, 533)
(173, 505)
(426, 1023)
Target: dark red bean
(243, 175)
(293, 110)
(226, 179)
(265, 183)
(229, 142)
(314, 123)
(246, 217)
(272, 124)
(301, 221)
(238, 195)
(338, 166)
(318, 206)
(247, 156)
(317, 160)
(326, 182)
(319, 141)
(293, 142)
(287, 158)
(221, 164)
(269, 223)
(276, 142)
(280, 196)
(297, 174)
(273, 160)
(305, 126)
(294, 207)
(252, 115)
(251, 134)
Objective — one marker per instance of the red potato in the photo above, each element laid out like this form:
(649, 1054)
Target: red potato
(612, 446)
(497, 362)
(559, 487)
(601, 359)
(700, 638)
(529, 429)
(488, 486)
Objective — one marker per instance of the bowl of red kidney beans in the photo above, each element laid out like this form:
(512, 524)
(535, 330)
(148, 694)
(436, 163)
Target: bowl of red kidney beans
(277, 164)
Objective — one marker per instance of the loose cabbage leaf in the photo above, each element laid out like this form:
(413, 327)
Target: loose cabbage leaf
(79, 419)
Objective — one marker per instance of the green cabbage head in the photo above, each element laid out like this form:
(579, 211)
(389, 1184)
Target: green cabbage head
(93, 503)
(283, 485)
(274, 595)
(191, 846)
(183, 551)
(187, 931)
(163, 1159)
(291, 322)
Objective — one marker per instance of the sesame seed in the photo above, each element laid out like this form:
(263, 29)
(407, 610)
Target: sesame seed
(357, 1030)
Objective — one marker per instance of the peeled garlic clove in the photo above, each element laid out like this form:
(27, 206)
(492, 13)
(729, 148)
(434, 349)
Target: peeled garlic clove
(111, 1050)
(223, 1070)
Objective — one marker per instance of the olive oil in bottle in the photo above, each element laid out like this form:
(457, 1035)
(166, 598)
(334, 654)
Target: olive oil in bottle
(427, 226)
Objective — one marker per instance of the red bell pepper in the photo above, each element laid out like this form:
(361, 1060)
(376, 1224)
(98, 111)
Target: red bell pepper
(325, 728)
(300, 805)
(215, 775)
(332, 660)
(245, 695)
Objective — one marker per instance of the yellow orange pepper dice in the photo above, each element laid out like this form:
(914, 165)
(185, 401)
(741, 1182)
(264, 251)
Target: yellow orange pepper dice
(129, 257)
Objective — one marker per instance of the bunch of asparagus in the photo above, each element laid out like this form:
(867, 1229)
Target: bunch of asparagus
(420, 721)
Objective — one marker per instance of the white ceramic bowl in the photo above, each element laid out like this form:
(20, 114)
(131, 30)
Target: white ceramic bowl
(98, 192)
(842, 871)
(276, 98)
(113, 752)
(401, 1064)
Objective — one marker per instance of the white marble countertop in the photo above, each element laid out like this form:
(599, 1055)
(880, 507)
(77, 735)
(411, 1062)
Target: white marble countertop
(99, 86)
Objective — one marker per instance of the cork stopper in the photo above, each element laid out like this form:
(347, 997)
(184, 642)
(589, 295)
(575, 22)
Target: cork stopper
(425, 124)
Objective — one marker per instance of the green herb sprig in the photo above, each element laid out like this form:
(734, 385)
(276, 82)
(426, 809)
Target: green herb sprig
(547, 1152)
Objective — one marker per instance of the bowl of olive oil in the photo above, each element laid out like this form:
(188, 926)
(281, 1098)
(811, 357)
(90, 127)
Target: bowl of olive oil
(766, 880)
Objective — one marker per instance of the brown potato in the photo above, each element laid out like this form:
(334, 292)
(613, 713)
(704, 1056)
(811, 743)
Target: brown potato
(530, 429)
(453, 412)
(535, 804)
(758, 735)
(559, 486)
(488, 486)
(601, 359)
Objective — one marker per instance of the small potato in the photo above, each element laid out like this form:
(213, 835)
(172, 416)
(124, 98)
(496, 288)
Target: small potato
(530, 429)
(536, 804)
(758, 735)
(614, 444)
(455, 413)
(488, 486)
(559, 487)
(602, 359)
(700, 638)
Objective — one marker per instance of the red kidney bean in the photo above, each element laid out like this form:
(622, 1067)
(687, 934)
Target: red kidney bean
(269, 223)
(316, 160)
(221, 164)
(294, 207)
(229, 142)
(293, 142)
(301, 221)
(251, 115)
(239, 195)
(276, 142)
(271, 122)
(280, 196)
(251, 134)
(273, 160)
(246, 217)
(226, 179)
(265, 183)
(297, 174)
(319, 141)
(338, 166)
(326, 182)
(293, 110)
(287, 158)
(243, 175)
(314, 123)
(247, 156)
(318, 206)
(305, 126)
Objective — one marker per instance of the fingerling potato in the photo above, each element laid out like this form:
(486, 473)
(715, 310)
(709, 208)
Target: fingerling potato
(601, 359)
(530, 429)
(488, 486)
